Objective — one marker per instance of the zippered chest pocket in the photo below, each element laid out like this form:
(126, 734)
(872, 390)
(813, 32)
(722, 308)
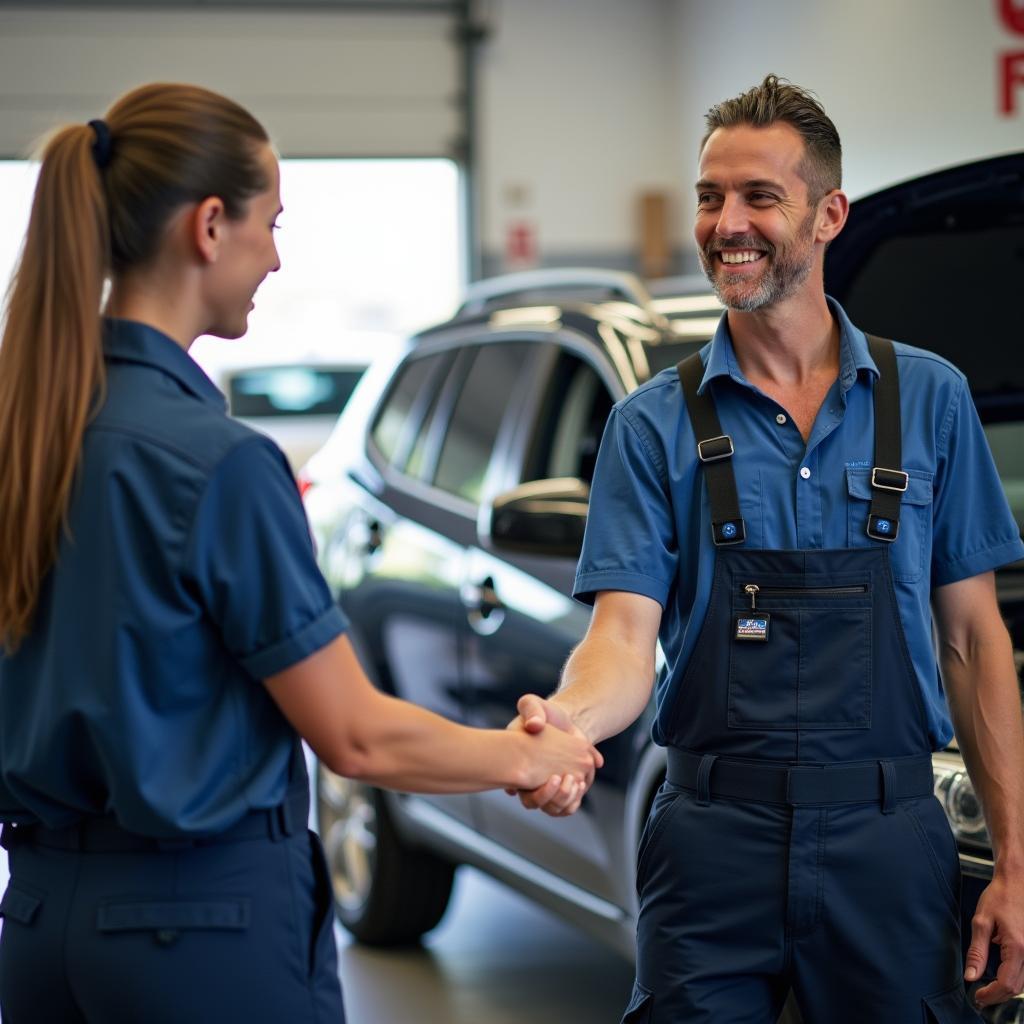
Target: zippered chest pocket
(800, 654)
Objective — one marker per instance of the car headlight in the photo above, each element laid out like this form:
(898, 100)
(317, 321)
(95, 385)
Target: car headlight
(963, 808)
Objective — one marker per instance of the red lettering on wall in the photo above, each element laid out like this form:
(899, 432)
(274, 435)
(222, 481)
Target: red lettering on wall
(1012, 14)
(1011, 79)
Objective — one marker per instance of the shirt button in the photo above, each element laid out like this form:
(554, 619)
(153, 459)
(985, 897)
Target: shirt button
(805, 472)
(781, 418)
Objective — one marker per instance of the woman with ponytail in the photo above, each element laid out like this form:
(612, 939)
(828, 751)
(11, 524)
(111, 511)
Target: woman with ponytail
(165, 635)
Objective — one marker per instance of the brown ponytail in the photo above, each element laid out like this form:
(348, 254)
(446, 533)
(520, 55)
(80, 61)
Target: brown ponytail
(169, 145)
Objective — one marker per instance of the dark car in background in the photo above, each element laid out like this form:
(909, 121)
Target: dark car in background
(939, 262)
(448, 509)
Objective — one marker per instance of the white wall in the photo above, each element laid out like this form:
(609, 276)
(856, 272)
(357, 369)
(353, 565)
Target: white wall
(577, 112)
(582, 105)
(586, 102)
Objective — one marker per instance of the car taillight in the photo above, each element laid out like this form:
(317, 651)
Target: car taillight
(304, 482)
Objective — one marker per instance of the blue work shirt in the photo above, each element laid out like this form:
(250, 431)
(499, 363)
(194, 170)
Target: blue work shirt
(185, 577)
(649, 528)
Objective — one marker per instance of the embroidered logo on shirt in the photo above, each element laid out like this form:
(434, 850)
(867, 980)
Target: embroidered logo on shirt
(752, 627)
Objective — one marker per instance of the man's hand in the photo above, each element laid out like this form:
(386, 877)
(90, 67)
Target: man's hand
(558, 797)
(999, 918)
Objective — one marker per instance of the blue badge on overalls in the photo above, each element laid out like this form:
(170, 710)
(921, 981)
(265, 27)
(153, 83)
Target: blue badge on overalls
(752, 627)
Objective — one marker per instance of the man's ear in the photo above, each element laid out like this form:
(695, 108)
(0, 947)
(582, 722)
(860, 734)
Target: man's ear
(834, 209)
(208, 228)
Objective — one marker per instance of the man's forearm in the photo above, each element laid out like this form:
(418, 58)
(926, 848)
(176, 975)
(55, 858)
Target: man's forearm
(984, 698)
(605, 686)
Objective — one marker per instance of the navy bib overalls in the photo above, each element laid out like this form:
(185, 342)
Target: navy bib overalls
(796, 842)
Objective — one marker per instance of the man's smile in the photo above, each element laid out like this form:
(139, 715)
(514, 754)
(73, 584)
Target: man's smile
(734, 256)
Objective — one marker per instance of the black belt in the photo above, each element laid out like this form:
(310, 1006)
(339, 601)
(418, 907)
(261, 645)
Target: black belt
(104, 835)
(884, 781)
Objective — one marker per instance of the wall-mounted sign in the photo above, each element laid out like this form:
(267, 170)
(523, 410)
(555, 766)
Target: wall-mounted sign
(520, 245)
(1010, 63)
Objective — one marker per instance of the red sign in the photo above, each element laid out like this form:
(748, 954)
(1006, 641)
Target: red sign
(1010, 66)
(1011, 81)
(1012, 14)
(520, 245)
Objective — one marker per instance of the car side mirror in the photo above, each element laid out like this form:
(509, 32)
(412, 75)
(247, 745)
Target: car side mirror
(542, 517)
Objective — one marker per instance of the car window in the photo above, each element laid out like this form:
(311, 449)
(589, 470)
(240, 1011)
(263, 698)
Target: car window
(291, 390)
(573, 413)
(417, 465)
(476, 418)
(406, 404)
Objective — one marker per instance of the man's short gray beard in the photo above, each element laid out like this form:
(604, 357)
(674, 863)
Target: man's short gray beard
(773, 288)
(783, 279)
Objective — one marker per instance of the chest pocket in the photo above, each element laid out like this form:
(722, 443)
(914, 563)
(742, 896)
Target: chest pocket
(910, 553)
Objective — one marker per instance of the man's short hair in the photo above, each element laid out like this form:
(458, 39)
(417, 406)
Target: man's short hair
(776, 100)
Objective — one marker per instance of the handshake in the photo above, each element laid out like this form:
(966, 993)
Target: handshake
(564, 760)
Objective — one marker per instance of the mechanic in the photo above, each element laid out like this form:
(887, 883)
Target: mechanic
(166, 633)
(791, 511)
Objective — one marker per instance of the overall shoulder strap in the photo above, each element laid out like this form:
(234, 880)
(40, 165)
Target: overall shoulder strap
(888, 481)
(715, 450)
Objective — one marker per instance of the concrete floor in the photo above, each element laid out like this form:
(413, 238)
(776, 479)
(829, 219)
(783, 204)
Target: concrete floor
(495, 959)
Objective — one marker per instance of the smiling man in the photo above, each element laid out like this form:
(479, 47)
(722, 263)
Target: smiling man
(791, 512)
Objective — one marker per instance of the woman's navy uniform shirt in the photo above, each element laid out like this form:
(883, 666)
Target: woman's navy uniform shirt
(649, 528)
(185, 577)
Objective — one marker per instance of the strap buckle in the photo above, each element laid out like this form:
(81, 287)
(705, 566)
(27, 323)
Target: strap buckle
(889, 479)
(883, 527)
(714, 449)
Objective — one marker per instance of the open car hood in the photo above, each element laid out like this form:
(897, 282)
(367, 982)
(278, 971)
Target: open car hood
(938, 262)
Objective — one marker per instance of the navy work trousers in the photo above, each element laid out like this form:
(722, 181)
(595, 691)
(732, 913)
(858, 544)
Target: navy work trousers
(856, 909)
(233, 931)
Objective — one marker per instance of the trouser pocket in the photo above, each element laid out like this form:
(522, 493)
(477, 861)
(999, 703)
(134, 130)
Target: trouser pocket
(640, 1008)
(19, 905)
(950, 1007)
(661, 810)
(931, 829)
(168, 919)
(321, 942)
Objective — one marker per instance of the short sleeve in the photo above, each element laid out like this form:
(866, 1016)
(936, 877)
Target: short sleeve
(630, 542)
(251, 559)
(974, 530)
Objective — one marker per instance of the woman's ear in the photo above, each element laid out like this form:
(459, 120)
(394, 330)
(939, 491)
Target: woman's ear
(208, 228)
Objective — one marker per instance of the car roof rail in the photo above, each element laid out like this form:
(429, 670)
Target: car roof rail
(623, 283)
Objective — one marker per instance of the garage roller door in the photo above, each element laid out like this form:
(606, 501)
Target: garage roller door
(372, 80)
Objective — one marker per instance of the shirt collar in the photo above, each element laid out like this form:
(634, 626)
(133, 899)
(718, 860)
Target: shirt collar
(129, 341)
(720, 359)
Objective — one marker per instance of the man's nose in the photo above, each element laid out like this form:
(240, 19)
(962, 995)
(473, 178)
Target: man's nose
(732, 218)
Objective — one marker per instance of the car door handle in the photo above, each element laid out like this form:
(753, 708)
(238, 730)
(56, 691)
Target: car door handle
(374, 538)
(485, 609)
